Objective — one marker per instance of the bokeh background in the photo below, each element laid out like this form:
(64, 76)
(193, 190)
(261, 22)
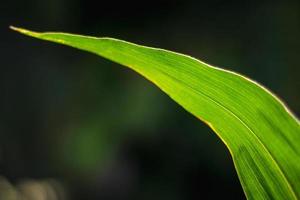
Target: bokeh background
(76, 126)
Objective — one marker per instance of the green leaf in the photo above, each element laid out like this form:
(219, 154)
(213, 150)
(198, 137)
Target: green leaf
(261, 134)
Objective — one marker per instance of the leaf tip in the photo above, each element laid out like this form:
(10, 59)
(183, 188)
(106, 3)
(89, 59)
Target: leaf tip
(13, 28)
(24, 31)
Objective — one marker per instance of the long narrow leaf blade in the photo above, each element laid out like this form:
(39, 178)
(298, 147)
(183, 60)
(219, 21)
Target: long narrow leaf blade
(262, 136)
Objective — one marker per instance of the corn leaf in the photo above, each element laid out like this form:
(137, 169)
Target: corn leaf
(261, 134)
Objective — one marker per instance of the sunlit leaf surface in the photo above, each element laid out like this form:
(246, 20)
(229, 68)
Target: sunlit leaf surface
(262, 136)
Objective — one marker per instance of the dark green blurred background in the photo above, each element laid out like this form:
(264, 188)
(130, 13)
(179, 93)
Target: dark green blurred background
(84, 128)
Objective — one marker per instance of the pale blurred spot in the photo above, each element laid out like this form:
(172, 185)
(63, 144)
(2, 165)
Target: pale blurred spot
(41, 190)
(7, 191)
(32, 190)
